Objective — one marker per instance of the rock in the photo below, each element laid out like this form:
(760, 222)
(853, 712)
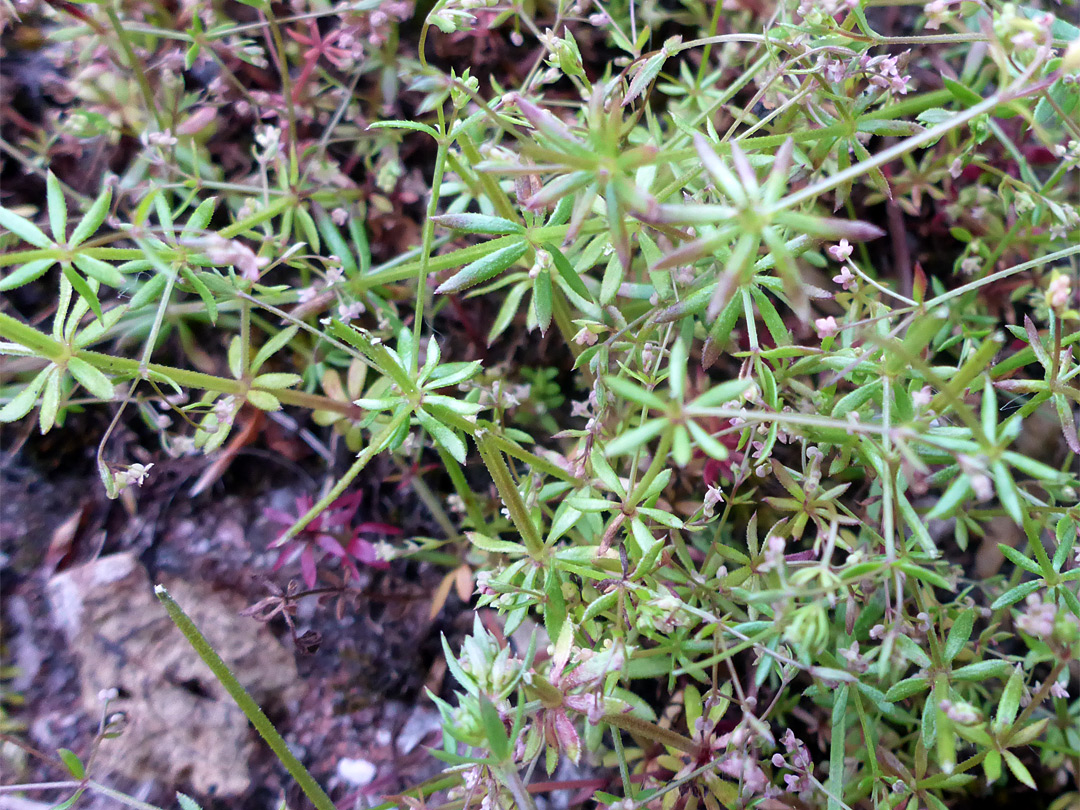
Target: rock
(181, 727)
(357, 772)
(421, 722)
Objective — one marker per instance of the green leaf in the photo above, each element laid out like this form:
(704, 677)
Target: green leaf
(69, 758)
(959, 633)
(336, 243)
(614, 275)
(721, 394)
(906, 688)
(632, 439)
(1066, 538)
(186, 802)
(70, 802)
(925, 575)
(24, 229)
(478, 223)
(962, 93)
(773, 322)
(1067, 417)
(451, 374)
(602, 603)
(277, 380)
(681, 451)
(837, 748)
(507, 310)
(24, 275)
(934, 116)
(307, 225)
(1014, 595)
(929, 719)
(57, 205)
(959, 490)
(91, 379)
(199, 218)
(83, 288)
(632, 392)
(1009, 703)
(554, 605)
(1018, 769)
(494, 730)
(917, 525)
(236, 357)
(484, 268)
(21, 404)
(651, 546)
(272, 346)
(660, 516)
(644, 75)
(707, 443)
(1007, 492)
(1028, 733)
(493, 546)
(912, 651)
(50, 401)
(415, 126)
(98, 270)
(264, 400)
(1018, 558)
(981, 671)
(202, 291)
(541, 300)
(889, 127)
(445, 437)
(567, 271)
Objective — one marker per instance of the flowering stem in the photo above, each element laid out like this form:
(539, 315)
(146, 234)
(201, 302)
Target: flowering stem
(244, 700)
(375, 446)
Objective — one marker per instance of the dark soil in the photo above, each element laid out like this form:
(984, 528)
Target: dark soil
(361, 688)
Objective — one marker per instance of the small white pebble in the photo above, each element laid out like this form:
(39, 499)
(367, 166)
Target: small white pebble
(357, 772)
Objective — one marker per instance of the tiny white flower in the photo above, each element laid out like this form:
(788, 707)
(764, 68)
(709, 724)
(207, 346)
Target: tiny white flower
(712, 497)
(1057, 294)
(826, 327)
(347, 312)
(840, 252)
(134, 474)
(845, 278)
(585, 337)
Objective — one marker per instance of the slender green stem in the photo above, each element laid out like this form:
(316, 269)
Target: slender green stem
(134, 64)
(508, 491)
(56, 351)
(461, 486)
(427, 234)
(512, 779)
(375, 446)
(246, 703)
(650, 731)
(815, 190)
(123, 798)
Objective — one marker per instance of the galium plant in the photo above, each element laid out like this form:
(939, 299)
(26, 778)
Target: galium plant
(807, 285)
